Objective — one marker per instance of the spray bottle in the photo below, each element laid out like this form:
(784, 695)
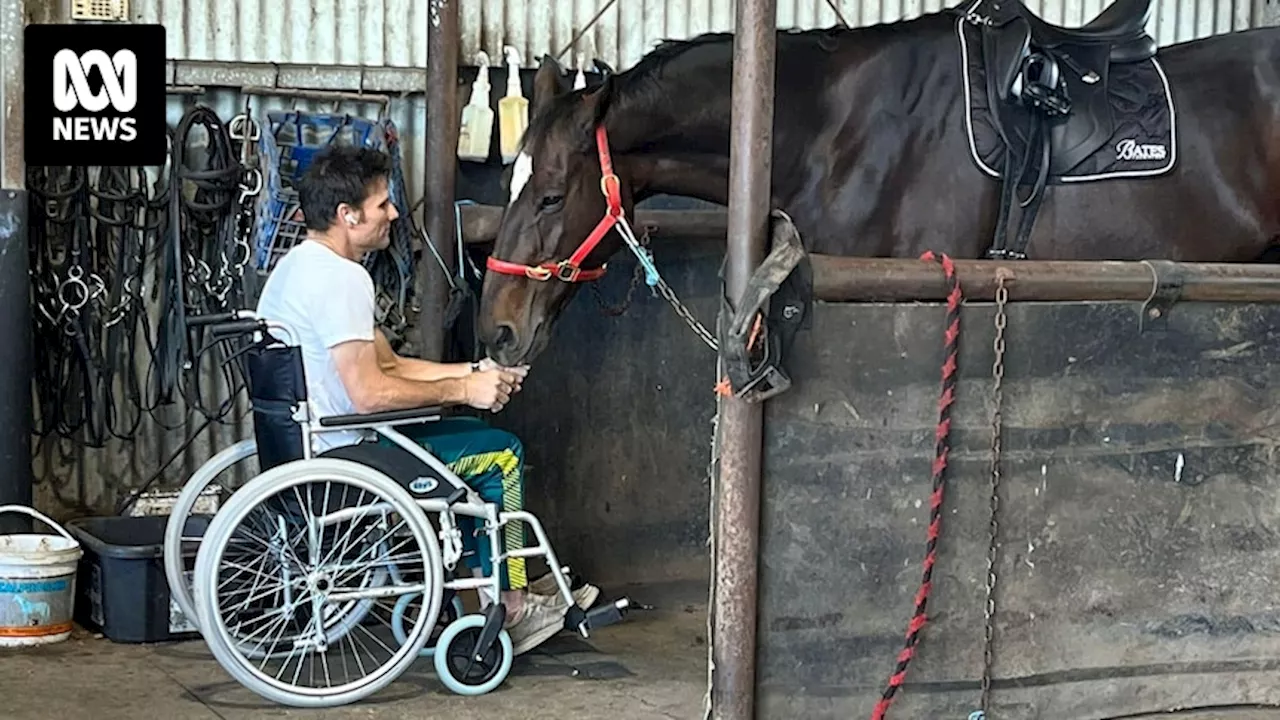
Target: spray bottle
(513, 109)
(476, 132)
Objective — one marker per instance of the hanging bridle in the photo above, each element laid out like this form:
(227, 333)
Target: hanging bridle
(570, 270)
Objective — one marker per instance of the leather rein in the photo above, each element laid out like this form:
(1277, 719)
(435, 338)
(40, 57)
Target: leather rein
(570, 270)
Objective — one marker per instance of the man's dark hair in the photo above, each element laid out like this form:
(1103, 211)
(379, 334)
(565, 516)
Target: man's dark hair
(339, 174)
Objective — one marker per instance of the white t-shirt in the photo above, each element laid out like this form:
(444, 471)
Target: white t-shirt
(325, 299)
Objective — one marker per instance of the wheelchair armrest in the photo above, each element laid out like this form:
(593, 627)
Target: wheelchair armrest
(386, 417)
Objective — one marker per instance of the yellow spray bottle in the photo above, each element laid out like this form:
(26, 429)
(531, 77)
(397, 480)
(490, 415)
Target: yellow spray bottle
(476, 132)
(513, 109)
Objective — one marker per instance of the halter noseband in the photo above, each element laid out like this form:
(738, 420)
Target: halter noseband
(570, 270)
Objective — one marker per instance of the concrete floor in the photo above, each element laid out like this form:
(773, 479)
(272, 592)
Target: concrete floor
(651, 666)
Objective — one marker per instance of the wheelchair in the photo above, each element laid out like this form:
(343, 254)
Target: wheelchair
(328, 564)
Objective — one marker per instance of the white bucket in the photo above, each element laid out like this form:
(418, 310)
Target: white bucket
(37, 584)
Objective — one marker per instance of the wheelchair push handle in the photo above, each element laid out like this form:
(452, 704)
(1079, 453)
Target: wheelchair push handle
(236, 327)
(211, 319)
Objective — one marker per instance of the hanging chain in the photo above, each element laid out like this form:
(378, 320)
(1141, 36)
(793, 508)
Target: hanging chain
(687, 316)
(616, 310)
(997, 373)
(640, 248)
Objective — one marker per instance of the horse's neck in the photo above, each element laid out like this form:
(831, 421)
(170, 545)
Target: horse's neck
(673, 132)
(703, 176)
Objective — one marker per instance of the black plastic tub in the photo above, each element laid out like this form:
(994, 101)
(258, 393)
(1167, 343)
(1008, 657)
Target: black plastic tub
(121, 587)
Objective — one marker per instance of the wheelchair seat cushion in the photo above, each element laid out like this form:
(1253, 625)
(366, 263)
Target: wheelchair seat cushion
(419, 478)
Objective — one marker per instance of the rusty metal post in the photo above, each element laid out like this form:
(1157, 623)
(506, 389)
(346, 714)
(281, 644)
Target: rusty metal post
(431, 286)
(737, 500)
(16, 412)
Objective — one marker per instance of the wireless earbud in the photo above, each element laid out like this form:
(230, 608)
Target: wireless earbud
(351, 219)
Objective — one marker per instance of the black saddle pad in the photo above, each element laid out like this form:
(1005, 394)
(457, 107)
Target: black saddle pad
(1138, 107)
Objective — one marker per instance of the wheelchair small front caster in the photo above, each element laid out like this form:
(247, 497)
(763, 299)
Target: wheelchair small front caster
(460, 669)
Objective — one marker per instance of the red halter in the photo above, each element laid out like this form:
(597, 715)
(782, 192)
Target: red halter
(570, 270)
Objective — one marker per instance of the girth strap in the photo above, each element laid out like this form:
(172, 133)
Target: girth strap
(1046, 100)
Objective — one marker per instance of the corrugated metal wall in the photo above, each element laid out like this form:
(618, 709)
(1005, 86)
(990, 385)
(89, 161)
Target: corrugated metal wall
(392, 33)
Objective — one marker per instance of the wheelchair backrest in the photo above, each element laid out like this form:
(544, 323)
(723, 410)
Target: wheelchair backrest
(277, 384)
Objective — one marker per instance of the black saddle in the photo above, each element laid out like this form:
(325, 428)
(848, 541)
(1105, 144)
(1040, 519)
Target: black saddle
(1050, 84)
(1122, 26)
(1012, 32)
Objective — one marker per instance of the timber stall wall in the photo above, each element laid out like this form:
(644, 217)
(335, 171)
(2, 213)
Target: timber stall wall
(1137, 523)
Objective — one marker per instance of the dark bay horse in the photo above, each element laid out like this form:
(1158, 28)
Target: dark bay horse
(884, 146)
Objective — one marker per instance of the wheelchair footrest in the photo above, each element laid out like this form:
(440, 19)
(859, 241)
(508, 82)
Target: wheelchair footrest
(595, 618)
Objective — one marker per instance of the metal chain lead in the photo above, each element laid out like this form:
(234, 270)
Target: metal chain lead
(624, 229)
(616, 310)
(997, 373)
(688, 317)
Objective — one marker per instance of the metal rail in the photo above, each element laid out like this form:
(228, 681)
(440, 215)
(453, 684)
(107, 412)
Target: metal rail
(842, 279)
(851, 279)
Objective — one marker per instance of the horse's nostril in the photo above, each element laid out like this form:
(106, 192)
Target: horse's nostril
(504, 338)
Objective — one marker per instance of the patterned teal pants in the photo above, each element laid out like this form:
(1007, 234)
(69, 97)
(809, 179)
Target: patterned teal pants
(491, 462)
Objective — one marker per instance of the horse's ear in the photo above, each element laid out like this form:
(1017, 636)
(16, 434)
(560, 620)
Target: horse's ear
(546, 83)
(602, 67)
(595, 107)
(603, 95)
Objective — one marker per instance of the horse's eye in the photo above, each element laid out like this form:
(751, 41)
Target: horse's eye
(551, 202)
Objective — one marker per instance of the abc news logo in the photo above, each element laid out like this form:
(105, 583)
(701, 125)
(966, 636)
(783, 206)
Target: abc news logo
(71, 91)
(95, 95)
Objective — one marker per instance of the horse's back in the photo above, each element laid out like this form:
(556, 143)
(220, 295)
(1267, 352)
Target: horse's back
(1221, 202)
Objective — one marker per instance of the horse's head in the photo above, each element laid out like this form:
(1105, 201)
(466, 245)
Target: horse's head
(556, 232)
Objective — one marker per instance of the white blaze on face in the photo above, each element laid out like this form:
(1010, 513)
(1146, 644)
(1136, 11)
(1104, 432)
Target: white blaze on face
(521, 171)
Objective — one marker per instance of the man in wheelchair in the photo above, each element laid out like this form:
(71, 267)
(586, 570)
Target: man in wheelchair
(322, 291)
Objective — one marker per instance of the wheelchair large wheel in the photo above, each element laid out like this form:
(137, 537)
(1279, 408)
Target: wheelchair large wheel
(177, 534)
(463, 671)
(274, 583)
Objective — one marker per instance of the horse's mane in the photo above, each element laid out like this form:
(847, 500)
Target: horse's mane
(630, 83)
(640, 82)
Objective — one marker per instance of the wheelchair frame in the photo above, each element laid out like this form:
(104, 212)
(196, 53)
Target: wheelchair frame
(444, 547)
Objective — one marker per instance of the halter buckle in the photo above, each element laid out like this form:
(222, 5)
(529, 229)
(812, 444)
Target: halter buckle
(539, 273)
(567, 271)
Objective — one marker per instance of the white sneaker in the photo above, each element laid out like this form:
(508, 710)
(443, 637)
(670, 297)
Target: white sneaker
(544, 590)
(534, 624)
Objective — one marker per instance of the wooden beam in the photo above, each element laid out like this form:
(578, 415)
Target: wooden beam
(480, 223)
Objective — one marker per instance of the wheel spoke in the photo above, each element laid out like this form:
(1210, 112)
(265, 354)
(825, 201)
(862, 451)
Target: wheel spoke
(320, 633)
